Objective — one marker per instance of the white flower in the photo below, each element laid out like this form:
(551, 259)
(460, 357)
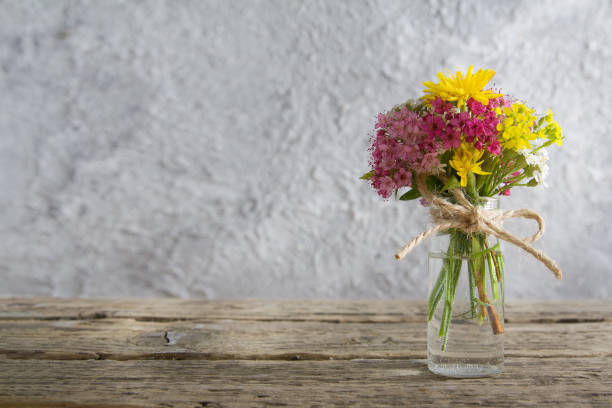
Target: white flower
(529, 158)
(538, 159)
(541, 174)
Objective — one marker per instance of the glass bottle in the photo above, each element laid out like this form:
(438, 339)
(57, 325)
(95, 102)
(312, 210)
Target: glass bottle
(466, 303)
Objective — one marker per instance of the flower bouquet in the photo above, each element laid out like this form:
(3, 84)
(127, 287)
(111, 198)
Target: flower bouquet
(458, 148)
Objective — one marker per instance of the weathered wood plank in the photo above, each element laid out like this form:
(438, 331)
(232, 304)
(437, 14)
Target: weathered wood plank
(525, 382)
(30, 403)
(333, 311)
(187, 309)
(124, 339)
(122, 351)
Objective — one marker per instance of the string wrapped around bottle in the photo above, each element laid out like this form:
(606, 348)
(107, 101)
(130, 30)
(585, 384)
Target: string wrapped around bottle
(471, 219)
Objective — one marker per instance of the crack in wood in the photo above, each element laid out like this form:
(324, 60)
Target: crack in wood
(560, 320)
(32, 403)
(209, 404)
(367, 319)
(580, 320)
(297, 357)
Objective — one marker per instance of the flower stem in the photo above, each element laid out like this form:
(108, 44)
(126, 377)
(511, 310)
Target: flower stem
(492, 272)
(454, 258)
(478, 265)
(436, 291)
(480, 256)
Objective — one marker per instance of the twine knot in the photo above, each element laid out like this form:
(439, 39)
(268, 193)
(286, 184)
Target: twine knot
(474, 219)
(477, 223)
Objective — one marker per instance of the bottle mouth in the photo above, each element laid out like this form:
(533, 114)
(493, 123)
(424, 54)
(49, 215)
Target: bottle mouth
(488, 203)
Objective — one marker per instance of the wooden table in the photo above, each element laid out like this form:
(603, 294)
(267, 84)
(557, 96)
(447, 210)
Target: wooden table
(257, 353)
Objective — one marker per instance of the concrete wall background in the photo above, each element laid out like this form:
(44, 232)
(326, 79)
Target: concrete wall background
(212, 148)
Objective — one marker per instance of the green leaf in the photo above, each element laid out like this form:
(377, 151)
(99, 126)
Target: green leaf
(532, 183)
(520, 162)
(410, 195)
(453, 182)
(528, 172)
(368, 175)
(508, 155)
(433, 184)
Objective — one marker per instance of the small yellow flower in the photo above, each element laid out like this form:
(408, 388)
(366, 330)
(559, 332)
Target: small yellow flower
(549, 116)
(465, 160)
(459, 88)
(552, 131)
(516, 128)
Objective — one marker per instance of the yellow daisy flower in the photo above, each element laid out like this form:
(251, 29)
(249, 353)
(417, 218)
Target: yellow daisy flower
(460, 88)
(465, 160)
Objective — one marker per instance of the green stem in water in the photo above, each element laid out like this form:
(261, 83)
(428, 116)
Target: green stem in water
(475, 265)
(436, 291)
(500, 262)
(472, 284)
(454, 256)
(492, 274)
(480, 257)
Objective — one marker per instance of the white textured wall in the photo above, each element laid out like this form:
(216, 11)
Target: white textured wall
(212, 148)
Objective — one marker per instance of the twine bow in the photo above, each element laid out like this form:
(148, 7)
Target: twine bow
(472, 219)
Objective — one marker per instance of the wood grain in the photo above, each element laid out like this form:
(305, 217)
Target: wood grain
(193, 353)
(367, 383)
(126, 339)
(332, 311)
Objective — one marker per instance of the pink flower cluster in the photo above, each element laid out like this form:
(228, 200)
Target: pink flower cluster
(406, 142)
(399, 148)
(481, 127)
(478, 125)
